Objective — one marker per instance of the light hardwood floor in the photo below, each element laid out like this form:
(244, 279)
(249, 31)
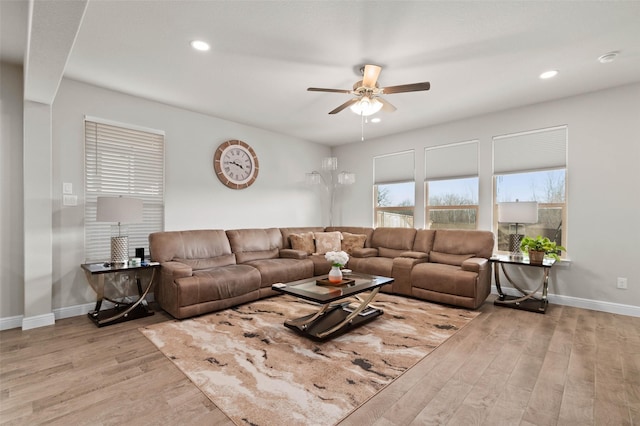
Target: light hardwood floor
(568, 367)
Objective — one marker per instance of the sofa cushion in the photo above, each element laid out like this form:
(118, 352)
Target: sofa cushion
(448, 258)
(327, 241)
(444, 278)
(303, 242)
(352, 241)
(382, 266)
(211, 262)
(253, 244)
(393, 238)
(196, 245)
(456, 241)
(282, 270)
(216, 284)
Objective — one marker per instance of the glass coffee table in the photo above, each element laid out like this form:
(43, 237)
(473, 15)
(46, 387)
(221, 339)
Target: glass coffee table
(341, 307)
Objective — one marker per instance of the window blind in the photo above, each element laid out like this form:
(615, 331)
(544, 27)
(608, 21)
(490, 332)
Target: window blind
(123, 161)
(393, 168)
(529, 151)
(452, 161)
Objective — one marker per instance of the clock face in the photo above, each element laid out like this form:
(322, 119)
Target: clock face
(236, 164)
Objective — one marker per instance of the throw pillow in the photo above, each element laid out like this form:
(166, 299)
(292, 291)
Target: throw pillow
(303, 242)
(352, 241)
(327, 241)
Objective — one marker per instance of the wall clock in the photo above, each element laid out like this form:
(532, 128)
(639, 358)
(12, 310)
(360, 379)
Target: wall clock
(236, 164)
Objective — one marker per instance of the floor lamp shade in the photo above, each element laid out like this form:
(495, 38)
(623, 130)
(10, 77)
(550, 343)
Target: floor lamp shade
(119, 210)
(517, 212)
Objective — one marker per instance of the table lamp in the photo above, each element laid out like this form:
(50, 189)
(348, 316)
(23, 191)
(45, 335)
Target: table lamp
(518, 212)
(120, 210)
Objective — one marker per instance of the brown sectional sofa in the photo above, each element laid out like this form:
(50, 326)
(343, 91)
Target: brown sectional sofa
(209, 270)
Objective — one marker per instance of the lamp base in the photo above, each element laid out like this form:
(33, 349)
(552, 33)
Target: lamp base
(119, 250)
(514, 246)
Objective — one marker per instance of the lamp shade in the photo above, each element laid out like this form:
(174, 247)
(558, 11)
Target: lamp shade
(518, 212)
(119, 209)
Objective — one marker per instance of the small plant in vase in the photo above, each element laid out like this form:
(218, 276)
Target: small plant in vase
(539, 247)
(338, 259)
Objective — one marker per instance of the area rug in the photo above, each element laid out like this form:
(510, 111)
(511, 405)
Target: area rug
(258, 372)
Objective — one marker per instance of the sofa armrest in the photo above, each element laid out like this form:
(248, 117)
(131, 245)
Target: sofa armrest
(176, 269)
(364, 252)
(415, 255)
(293, 254)
(475, 264)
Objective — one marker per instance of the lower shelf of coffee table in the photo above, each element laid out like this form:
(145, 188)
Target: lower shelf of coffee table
(330, 319)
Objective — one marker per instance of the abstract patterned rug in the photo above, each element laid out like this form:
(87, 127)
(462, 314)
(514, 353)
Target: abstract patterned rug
(258, 372)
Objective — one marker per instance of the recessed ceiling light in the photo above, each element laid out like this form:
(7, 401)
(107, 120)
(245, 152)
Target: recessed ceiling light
(200, 45)
(548, 74)
(608, 57)
(376, 120)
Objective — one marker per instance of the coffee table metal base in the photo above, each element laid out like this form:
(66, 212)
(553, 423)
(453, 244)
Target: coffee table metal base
(333, 320)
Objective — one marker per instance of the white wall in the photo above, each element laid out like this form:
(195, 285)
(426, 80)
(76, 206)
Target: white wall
(603, 182)
(194, 197)
(11, 197)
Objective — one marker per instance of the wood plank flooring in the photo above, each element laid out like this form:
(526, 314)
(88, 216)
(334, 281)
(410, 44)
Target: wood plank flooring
(568, 367)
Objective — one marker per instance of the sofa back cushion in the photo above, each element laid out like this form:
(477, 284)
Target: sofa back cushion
(200, 249)
(424, 240)
(255, 244)
(454, 241)
(390, 242)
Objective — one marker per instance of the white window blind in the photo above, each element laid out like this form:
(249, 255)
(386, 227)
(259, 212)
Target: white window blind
(394, 168)
(452, 161)
(529, 151)
(123, 161)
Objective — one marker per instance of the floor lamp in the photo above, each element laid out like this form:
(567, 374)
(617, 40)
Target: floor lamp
(330, 180)
(517, 212)
(120, 210)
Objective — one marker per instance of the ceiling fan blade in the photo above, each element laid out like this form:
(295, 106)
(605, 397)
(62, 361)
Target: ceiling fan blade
(370, 76)
(317, 89)
(415, 87)
(344, 105)
(386, 105)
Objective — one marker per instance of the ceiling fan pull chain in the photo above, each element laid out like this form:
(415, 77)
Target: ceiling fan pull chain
(362, 127)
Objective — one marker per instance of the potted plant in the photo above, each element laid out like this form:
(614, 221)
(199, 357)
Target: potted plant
(539, 247)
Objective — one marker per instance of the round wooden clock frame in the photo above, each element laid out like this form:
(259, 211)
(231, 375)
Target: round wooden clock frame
(236, 164)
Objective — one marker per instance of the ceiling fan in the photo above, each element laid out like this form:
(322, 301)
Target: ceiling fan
(367, 93)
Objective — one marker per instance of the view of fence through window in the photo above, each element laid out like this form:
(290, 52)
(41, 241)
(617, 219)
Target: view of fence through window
(546, 187)
(452, 203)
(394, 204)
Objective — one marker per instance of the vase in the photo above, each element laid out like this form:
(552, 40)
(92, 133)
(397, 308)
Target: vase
(335, 274)
(536, 257)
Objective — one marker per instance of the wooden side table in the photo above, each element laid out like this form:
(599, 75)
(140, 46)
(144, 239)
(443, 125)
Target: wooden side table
(122, 311)
(528, 301)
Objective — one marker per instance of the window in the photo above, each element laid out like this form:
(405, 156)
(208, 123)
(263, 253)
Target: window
(531, 166)
(122, 161)
(394, 190)
(451, 186)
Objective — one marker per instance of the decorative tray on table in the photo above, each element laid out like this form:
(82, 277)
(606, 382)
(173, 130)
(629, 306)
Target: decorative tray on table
(326, 281)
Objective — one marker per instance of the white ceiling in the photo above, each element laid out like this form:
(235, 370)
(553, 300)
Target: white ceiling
(479, 56)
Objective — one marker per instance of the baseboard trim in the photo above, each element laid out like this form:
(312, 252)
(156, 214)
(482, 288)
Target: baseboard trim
(60, 313)
(38, 321)
(577, 302)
